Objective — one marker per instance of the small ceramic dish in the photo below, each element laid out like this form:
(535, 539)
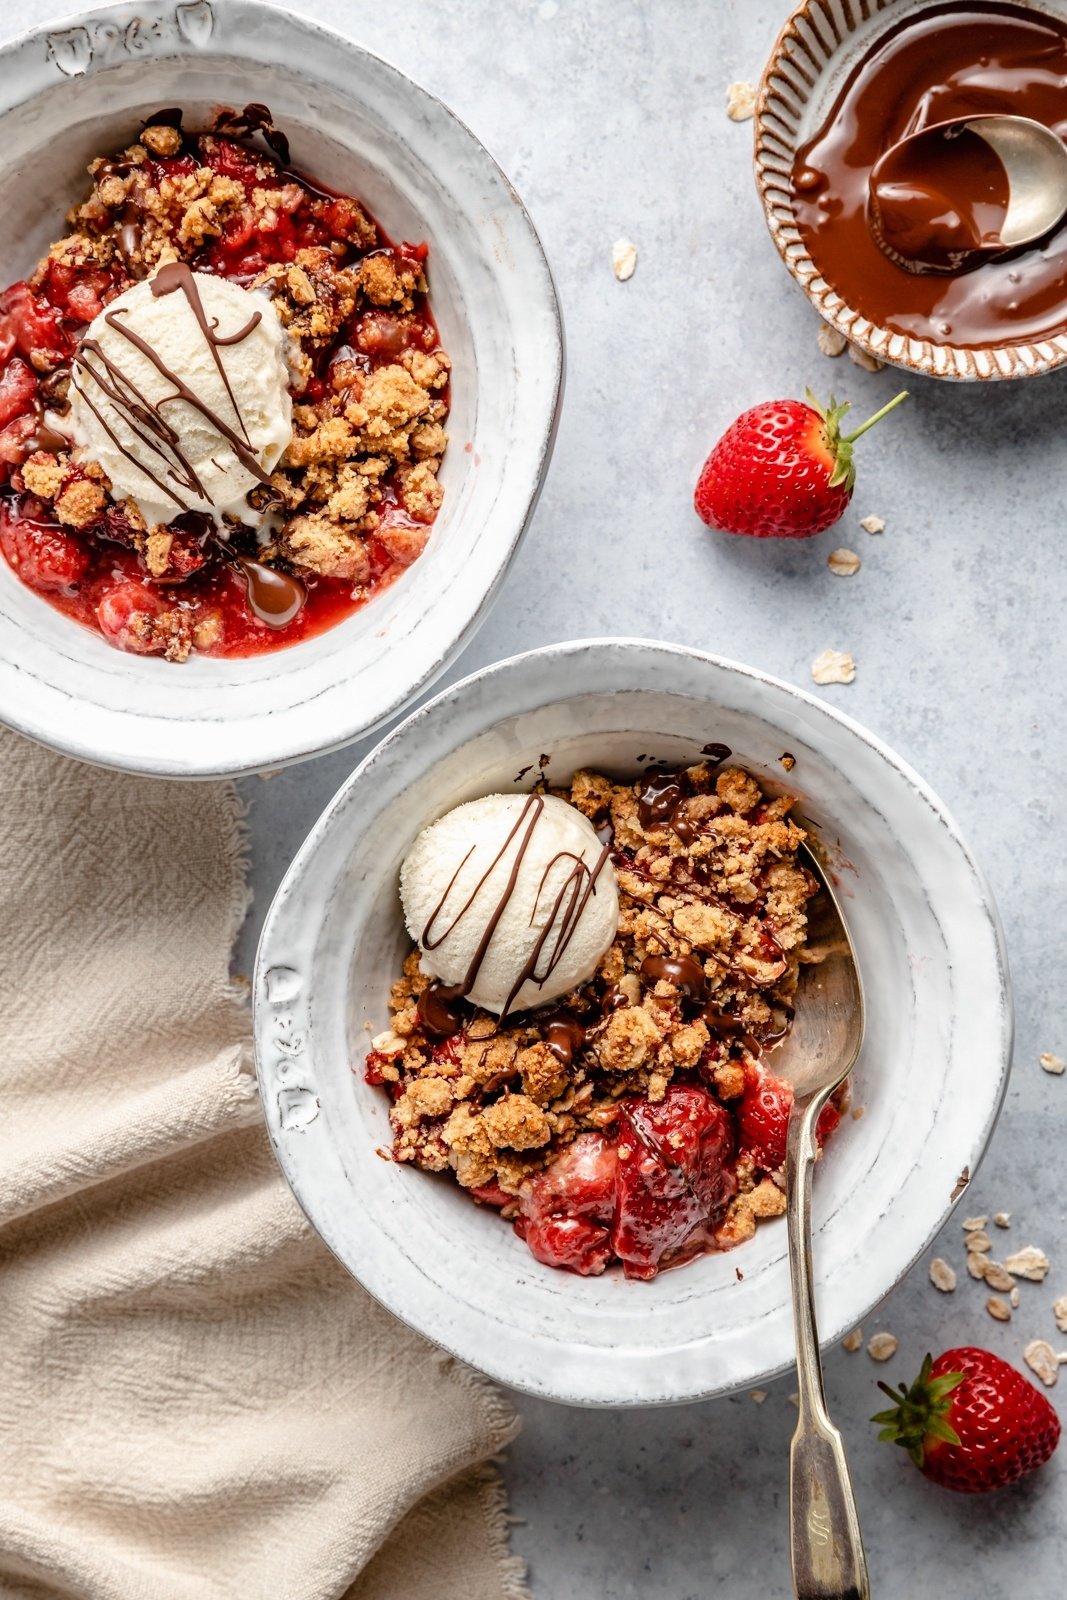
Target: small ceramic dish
(81, 87)
(930, 1080)
(815, 52)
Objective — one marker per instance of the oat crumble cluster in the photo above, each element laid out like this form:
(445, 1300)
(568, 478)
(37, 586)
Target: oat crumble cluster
(662, 1047)
(355, 493)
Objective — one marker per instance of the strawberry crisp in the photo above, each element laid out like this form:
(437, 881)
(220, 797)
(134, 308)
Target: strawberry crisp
(637, 1119)
(336, 493)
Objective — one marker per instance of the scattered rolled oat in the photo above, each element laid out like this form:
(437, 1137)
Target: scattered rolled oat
(1042, 1359)
(853, 1341)
(787, 760)
(794, 1400)
(863, 358)
(998, 1309)
(1059, 1311)
(960, 1184)
(843, 563)
(1002, 1219)
(872, 524)
(1014, 1296)
(833, 666)
(973, 1224)
(1029, 1263)
(623, 259)
(980, 1243)
(942, 1275)
(881, 1347)
(740, 102)
(858, 1112)
(998, 1276)
(1052, 1063)
(758, 1395)
(830, 342)
(976, 1266)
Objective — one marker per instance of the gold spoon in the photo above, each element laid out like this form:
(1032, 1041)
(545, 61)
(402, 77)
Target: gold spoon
(826, 1545)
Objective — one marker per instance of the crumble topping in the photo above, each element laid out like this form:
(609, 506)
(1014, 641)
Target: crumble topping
(696, 986)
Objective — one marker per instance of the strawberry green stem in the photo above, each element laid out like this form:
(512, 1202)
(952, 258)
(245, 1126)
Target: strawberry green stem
(850, 438)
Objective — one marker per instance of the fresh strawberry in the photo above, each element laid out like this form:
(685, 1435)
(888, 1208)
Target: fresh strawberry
(130, 616)
(36, 328)
(763, 1118)
(971, 1422)
(783, 470)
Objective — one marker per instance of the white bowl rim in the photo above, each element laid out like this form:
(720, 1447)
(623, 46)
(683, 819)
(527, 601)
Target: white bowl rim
(30, 49)
(485, 1357)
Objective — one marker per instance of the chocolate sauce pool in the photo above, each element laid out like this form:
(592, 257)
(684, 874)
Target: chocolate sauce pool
(948, 61)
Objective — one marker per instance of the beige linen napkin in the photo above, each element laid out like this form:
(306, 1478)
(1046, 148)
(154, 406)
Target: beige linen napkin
(196, 1403)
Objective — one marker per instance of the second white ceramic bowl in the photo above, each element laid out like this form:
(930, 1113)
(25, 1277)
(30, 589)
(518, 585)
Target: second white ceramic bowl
(80, 88)
(931, 1077)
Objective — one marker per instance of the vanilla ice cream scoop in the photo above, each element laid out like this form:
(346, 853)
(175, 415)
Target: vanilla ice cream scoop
(512, 899)
(179, 391)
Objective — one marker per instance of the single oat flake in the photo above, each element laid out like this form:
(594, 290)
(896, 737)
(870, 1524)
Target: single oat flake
(997, 1276)
(872, 524)
(623, 259)
(1054, 1064)
(853, 1341)
(998, 1309)
(1014, 1296)
(1029, 1263)
(830, 342)
(864, 359)
(979, 1242)
(882, 1347)
(942, 1275)
(758, 1395)
(843, 563)
(1059, 1311)
(1042, 1359)
(1002, 1219)
(973, 1224)
(833, 666)
(976, 1266)
(740, 102)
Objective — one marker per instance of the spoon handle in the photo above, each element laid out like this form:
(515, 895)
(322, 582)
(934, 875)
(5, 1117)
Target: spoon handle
(826, 1545)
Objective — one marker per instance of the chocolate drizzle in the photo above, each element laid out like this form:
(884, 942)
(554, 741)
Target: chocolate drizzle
(274, 596)
(685, 972)
(578, 886)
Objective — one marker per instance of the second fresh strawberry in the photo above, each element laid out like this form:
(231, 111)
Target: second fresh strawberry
(783, 470)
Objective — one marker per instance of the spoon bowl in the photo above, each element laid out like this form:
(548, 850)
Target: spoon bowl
(954, 193)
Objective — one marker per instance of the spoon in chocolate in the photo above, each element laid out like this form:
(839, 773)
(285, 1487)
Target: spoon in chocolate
(955, 193)
(817, 1055)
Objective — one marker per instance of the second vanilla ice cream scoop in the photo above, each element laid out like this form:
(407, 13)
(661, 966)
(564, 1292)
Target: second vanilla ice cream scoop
(180, 392)
(512, 898)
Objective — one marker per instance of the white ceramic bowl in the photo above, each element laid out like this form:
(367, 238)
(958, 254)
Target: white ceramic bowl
(816, 50)
(357, 124)
(931, 1077)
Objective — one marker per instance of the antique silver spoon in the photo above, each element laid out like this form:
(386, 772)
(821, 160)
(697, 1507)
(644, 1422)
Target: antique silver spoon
(826, 1545)
(957, 192)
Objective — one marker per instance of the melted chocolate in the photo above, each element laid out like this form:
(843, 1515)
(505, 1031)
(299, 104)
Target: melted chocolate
(564, 1036)
(940, 63)
(716, 754)
(685, 972)
(275, 597)
(614, 998)
(659, 798)
(438, 1011)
